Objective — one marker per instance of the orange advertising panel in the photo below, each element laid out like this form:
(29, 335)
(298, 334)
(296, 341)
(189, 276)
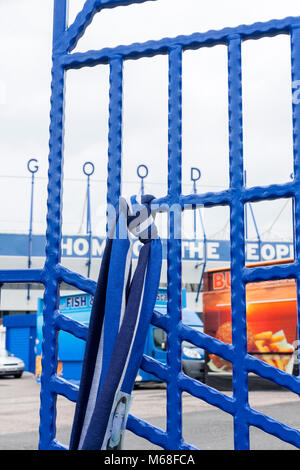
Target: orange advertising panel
(38, 367)
(271, 319)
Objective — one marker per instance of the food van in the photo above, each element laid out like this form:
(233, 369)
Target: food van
(271, 309)
(71, 349)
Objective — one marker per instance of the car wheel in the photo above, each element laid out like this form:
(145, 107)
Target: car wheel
(18, 376)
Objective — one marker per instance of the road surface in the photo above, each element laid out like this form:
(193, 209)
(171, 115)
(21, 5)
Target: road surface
(203, 425)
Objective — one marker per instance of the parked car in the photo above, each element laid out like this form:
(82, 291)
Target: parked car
(10, 365)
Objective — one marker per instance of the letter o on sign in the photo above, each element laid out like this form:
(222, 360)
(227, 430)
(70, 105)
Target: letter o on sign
(81, 246)
(268, 252)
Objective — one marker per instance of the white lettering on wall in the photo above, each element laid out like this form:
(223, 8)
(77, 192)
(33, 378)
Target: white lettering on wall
(252, 254)
(212, 250)
(282, 251)
(67, 246)
(196, 250)
(268, 252)
(97, 247)
(81, 246)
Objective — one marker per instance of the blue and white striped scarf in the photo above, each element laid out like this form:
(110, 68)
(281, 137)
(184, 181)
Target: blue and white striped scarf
(120, 317)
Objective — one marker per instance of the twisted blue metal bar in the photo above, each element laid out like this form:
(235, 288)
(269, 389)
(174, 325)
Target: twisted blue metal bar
(193, 41)
(72, 35)
(186, 333)
(223, 198)
(21, 275)
(147, 431)
(295, 63)
(270, 373)
(75, 279)
(115, 132)
(174, 420)
(271, 426)
(208, 394)
(65, 323)
(238, 290)
(53, 237)
(269, 273)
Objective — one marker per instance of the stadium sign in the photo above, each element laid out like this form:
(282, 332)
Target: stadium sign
(192, 250)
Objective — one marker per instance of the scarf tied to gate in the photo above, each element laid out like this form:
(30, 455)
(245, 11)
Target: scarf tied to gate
(121, 313)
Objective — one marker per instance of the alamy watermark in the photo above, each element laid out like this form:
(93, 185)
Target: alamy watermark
(139, 220)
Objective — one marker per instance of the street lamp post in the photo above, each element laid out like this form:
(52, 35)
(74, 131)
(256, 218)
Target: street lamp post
(142, 172)
(195, 176)
(88, 170)
(32, 169)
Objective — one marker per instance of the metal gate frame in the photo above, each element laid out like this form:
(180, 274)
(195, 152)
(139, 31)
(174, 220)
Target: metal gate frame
(53, 273)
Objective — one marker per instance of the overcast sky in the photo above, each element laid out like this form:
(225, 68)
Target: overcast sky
(25, 64)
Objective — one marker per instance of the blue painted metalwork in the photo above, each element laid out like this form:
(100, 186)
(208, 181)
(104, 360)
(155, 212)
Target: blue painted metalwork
(32, 170)
(203, 263)
(253, 219)
(238, 289)
(236, 196)
(174, 283)
(88, 170)
(195, 179)
(142, 172)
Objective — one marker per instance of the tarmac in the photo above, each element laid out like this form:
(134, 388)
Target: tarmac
(204, 426)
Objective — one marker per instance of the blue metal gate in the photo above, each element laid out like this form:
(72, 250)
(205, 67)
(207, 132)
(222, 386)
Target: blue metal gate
(64, 40)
